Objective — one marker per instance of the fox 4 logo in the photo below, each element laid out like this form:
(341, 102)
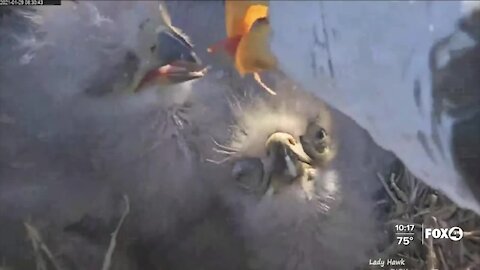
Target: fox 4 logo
(454, 233)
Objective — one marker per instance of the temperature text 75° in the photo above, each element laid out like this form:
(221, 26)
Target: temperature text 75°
(404, 240)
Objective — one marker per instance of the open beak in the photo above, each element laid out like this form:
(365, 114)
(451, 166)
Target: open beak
(179, 62)
(182, 71)
(178, 71)
(287, 163)
(280, 144)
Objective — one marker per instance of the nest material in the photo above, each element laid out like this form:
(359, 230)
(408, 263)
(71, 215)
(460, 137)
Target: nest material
(409, 202)
(45, 258)
(412, 202)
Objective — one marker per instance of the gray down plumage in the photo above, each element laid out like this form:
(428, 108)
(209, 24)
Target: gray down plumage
(72, 144)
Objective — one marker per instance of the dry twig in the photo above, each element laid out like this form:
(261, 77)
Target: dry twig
(113, 241)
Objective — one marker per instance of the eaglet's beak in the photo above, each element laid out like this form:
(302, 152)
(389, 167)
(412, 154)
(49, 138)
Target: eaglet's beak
(173, 51)
(182, 64)
(286, 163)
(173, 73)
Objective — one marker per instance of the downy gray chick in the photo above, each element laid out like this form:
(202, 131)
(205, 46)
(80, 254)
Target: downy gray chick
(294, 208)
(71, 147)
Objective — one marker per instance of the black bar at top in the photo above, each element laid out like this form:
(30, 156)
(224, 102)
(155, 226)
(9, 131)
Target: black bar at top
(12, 3)
(52, 2)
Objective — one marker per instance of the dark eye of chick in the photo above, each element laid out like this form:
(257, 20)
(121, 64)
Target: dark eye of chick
(152, 49)
(321, 134)
(239, 176)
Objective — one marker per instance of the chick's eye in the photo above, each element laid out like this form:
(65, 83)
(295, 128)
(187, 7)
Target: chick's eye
(321, 134)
